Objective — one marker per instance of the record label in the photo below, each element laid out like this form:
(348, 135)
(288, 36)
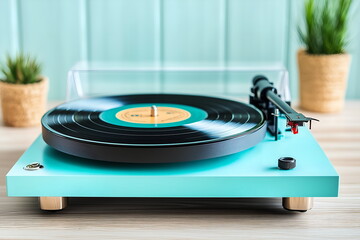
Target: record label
(139, 115)
(144, 115)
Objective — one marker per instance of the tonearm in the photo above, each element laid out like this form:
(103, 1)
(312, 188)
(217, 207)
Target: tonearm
(264, 96)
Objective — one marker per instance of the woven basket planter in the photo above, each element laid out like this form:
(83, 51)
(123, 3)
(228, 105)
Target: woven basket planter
(23, 104)
(323, 80)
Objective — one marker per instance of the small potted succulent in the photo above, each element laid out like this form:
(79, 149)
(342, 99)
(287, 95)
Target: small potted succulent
(324, 64)
(23, 91)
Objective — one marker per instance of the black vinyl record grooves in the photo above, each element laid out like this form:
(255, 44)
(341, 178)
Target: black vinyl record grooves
(115, 128)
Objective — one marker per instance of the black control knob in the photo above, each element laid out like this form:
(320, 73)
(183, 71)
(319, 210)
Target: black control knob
(286, 163)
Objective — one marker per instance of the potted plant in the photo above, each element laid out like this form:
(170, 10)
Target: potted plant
(23, 91)
(324, 64)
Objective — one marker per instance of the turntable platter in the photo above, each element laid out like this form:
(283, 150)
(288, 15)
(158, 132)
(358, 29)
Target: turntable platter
(153, 128)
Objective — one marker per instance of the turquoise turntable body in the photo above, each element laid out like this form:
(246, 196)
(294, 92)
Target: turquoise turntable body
(250, 173)
(171, 145)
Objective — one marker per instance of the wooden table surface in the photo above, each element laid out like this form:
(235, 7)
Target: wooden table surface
(116, 218)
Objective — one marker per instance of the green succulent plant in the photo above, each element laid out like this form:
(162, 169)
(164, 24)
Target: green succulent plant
(325, 26)
(22, 69)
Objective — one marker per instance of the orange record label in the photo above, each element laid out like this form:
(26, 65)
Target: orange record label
(144, 115)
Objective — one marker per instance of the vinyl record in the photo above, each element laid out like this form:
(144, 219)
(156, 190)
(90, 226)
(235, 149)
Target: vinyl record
(153, 128)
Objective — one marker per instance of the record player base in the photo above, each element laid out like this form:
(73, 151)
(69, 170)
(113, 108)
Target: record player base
(301, 204)
(252, 173)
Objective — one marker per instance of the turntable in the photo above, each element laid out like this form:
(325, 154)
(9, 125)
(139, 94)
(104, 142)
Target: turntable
(175, 145)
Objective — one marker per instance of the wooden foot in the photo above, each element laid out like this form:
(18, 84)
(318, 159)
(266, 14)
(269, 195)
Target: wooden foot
(52, 203)
(301, 204)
